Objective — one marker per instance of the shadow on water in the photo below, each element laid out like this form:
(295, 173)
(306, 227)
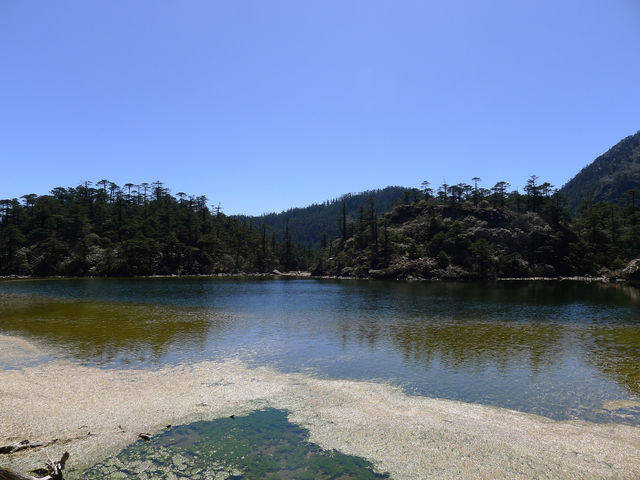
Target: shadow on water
(262, 445)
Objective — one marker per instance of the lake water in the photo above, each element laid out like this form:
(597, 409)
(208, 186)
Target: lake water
(565, 350)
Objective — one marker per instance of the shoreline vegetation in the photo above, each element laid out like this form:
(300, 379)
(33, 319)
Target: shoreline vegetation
(309, 275)
(409, 437)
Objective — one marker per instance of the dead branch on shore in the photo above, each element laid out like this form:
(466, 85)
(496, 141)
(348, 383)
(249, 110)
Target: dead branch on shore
(23, 445)
(52, 471)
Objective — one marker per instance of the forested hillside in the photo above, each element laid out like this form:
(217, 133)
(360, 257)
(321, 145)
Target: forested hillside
(133, 230)
(468, 232)
(612, 177)
(308, 225)
(460, 231)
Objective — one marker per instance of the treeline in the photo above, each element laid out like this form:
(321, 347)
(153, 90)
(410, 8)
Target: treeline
(467, 231)
(453, 231)
(142, 229)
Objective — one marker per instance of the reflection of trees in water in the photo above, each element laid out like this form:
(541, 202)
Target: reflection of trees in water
(522, 293)
(630, 291)
(473, 345)
(468, 325)
(103, 332)
(460, 344)
(615, 351)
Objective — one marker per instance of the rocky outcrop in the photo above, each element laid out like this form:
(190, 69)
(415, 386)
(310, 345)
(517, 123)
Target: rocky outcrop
(632, 270)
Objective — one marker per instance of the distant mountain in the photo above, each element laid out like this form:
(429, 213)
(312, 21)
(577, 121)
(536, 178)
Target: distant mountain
(608, 177)
(308, 224)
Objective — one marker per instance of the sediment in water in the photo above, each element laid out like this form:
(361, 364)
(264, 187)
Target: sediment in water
(95, 412)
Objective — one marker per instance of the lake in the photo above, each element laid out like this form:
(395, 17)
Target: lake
(563, 350)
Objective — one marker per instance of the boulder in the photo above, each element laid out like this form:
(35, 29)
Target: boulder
(632, 270)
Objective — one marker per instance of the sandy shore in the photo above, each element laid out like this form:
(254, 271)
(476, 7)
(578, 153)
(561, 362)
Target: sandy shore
(96, 412)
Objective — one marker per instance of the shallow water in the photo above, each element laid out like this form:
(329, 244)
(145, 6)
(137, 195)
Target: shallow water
(262, 445)
(561, 349)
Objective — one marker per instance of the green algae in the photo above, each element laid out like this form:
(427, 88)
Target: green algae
(103, 332)
(262, 445)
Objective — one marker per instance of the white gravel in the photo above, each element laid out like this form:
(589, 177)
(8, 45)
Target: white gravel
(409, 437)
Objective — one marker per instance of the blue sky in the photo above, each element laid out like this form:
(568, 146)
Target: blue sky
(265, 105)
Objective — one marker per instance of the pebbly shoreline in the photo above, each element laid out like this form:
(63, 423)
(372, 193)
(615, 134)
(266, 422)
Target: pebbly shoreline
(93, 413)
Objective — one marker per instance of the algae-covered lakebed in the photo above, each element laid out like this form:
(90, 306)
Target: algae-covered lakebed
(262, 445)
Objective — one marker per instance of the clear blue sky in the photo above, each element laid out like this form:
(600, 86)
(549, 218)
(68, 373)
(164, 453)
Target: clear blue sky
(265, 105)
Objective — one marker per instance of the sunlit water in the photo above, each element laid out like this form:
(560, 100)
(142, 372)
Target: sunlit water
(560, 349)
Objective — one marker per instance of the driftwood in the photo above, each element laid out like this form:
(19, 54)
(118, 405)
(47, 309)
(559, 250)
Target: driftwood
(23, 445)
(52, 471)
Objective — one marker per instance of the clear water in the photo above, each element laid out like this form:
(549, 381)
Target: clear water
(260, 446)
(559, 349)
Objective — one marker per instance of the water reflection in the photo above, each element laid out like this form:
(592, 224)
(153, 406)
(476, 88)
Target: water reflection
(560, 349)
(103, 333)
(480, 345)
(615, 351)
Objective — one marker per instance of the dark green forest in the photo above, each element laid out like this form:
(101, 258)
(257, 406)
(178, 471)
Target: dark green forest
(133, 230)
(461, 231)
(307, 225)
(465, 231)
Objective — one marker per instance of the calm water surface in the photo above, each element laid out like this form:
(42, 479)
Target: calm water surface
(564, 350)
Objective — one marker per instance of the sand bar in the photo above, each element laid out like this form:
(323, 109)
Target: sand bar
(409, 437)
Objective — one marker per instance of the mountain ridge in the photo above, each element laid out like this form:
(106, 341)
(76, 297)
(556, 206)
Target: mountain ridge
(608, 177)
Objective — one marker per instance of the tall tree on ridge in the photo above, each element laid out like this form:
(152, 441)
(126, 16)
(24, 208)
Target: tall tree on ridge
(426, 191)
(344, 221)
(476, 198)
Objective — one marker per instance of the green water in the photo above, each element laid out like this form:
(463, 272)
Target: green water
(260, 446)
(559, 349)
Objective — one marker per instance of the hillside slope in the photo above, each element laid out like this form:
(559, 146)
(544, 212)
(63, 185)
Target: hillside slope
(608, 177)
(308, 224)
(430, 240)
(452, 238)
